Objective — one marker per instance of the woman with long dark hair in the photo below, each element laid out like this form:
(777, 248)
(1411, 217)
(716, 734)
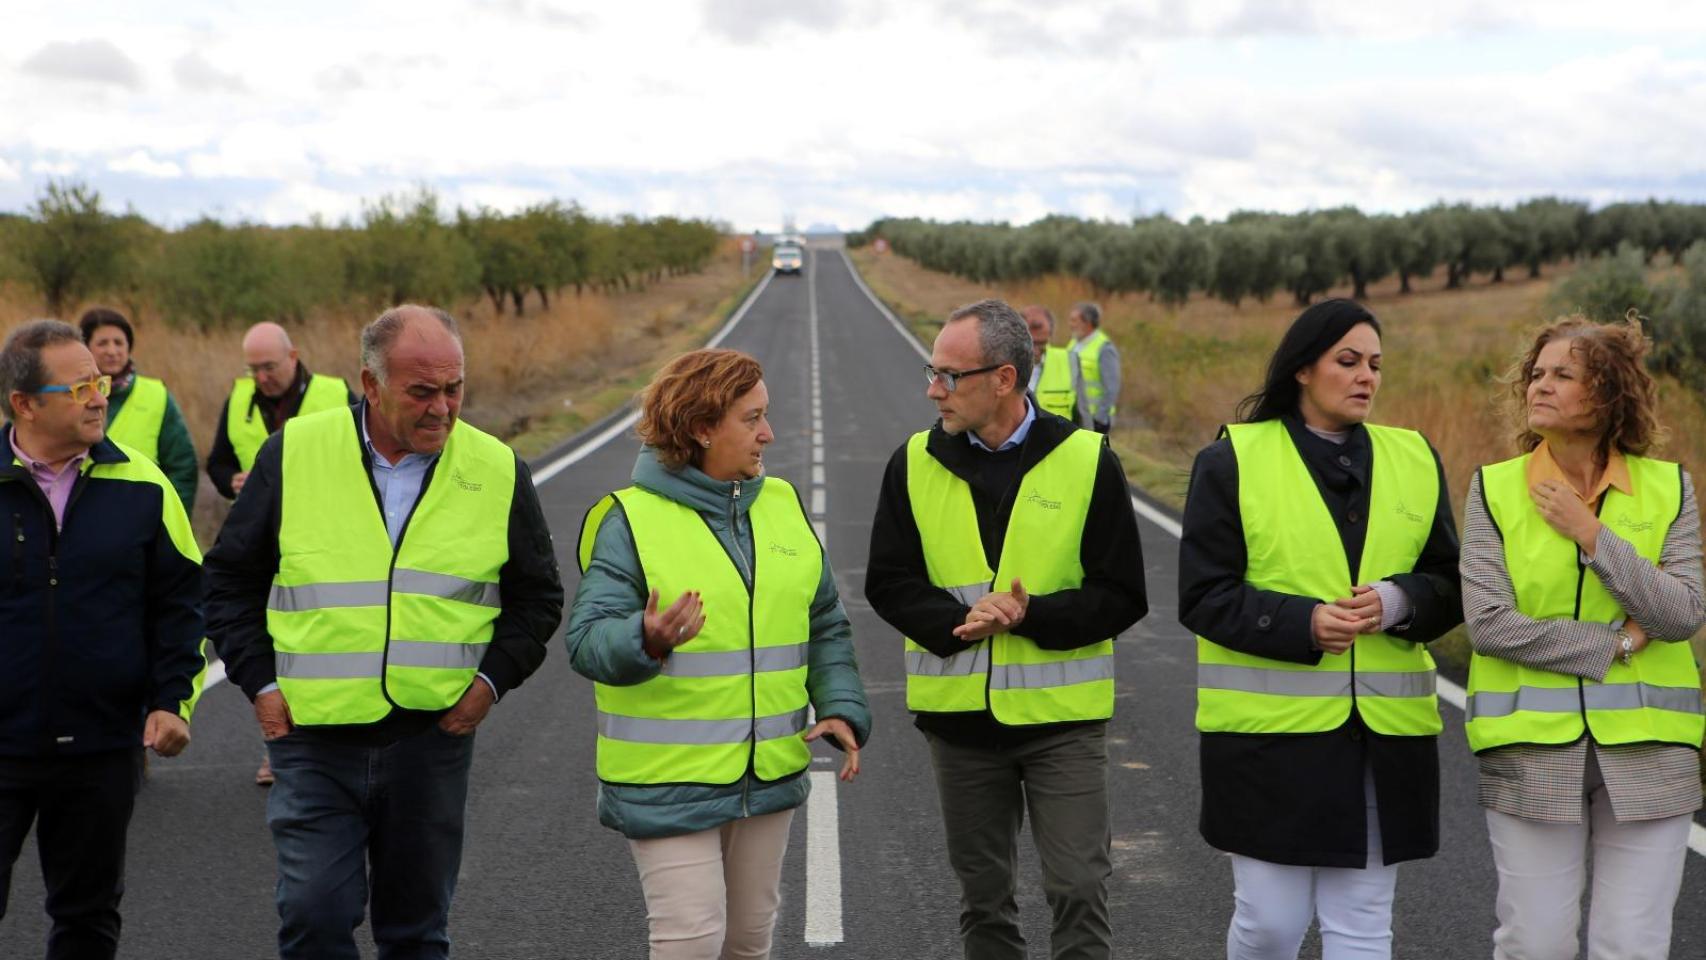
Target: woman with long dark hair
(1318, 558)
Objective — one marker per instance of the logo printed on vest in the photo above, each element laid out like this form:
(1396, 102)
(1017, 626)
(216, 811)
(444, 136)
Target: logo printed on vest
(1632, 524)
(783, 551)
(1408, 514)
(1042, 501)
(464, 483)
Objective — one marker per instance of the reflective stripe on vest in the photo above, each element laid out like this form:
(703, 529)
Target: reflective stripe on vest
(138, 423)
(1656, 698)
(1297, 550)
(1017, 681)
(1089, 355)
(247, 429)
(357, 625)
(735, 695)
(1054, 386)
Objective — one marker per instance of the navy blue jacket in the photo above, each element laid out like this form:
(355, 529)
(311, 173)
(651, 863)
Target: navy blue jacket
(100, 621)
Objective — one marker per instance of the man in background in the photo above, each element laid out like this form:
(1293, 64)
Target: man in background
(277, 388)
(1052, 384)
(1097, 364)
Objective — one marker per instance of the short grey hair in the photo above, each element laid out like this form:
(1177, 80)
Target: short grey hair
(20, 359)
(378, 336)
(1002, 335)
(1090, 313)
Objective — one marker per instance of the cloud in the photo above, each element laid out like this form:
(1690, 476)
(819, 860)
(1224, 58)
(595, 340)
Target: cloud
(340, 79)
(538, 11)
(747, 21)
(9, 173)
(194, 72)
(142, 164)
(89, 61)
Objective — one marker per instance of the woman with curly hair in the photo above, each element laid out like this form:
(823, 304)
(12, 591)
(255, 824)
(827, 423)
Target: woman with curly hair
(1581, 587)
(708, 617)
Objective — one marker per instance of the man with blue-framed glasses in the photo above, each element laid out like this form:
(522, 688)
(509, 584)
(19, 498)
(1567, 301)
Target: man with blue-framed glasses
(102, 624)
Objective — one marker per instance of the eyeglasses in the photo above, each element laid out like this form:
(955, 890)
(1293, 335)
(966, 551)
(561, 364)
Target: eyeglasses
(80, 392)
(951, 380)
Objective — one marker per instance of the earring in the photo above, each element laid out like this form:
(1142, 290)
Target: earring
(707, 444)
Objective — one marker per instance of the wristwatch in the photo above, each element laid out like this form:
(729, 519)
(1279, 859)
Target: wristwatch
(1625, 645)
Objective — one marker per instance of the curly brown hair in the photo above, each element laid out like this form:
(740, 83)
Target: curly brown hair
(689, 395)
(1624, 393)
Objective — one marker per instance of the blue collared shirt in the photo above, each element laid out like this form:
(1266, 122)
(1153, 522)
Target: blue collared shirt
(1018, 436)
(399, 483)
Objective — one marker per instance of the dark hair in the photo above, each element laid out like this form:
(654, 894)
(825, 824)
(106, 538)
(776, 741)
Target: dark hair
(1313, 333)
(20, 359)
(97, 317)
(1623, 392)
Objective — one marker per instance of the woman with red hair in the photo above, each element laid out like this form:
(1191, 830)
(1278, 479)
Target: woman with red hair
(708, 618)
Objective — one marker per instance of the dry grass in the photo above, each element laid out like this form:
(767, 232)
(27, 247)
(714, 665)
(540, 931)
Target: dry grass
(532, 380)
(1184, 369)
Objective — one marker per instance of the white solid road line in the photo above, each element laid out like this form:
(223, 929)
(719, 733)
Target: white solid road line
(823, 832)
(216, 670)
(1448, 691)
(823, 862)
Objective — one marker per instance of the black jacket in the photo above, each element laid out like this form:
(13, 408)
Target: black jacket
(1111, 598)
(222, 462)
(241, 565)
(1299, 798)
(100, 620)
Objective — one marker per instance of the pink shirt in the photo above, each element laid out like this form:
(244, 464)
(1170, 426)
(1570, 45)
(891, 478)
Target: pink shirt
(56, 486)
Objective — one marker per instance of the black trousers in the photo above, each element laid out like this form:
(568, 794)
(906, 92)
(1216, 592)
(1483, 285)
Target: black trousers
(80, 806)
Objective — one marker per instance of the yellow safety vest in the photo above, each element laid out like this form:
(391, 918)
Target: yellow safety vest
(247, 429)
(1054, 388)
(1656, 698)
(138, 423)
(734, 696)
(1018, 682)
(359, 626)
(1293, 547)
(1090, 367)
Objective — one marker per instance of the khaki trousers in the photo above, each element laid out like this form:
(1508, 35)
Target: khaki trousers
(713, 895)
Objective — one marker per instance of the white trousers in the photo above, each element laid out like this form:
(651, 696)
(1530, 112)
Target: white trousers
(713, 895)
(1274, 904)
(1637, 872)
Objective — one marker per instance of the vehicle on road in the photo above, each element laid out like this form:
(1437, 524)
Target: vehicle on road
(787, 258)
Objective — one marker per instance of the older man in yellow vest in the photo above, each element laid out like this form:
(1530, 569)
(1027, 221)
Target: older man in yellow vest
(386, 576)
(277, 387)
(1005, 551)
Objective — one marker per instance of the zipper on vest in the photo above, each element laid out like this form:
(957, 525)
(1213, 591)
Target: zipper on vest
(17, 548)
(1581, 581)
(396, 550)
(751, 581)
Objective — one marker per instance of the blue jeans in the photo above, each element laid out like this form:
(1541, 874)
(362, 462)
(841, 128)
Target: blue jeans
(354, 823)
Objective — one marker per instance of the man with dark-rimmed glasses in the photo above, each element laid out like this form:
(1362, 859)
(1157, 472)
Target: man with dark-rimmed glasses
(101, 618)
(1005, 551)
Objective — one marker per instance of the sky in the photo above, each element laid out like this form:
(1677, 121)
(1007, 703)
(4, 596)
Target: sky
(838, 112)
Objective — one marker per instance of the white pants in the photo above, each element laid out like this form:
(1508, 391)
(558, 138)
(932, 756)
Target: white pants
(1637, 872)
(713, 895)
(1274, 904)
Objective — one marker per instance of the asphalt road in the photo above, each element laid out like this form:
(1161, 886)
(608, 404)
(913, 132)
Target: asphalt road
(541, 878)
